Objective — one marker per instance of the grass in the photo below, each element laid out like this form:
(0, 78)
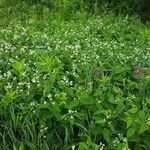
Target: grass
(78, 82)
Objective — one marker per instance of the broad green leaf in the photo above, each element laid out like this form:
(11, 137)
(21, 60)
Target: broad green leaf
(143, 128)
(106, 134)
(148, 100)
(18, 66)
(130, 132)
(113, 100)
(142, 115)
(133, 110)
(129, 121)
(82, 146)
(99, 112)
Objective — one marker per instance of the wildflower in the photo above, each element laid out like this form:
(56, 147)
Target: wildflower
(49, 96)
(101, 145)
(73, 147)
(46, 128)
(44, 137)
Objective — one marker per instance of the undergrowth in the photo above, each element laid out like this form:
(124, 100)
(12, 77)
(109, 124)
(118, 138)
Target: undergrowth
(73, 82)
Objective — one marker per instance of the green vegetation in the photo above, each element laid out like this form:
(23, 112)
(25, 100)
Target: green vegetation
(72, 79)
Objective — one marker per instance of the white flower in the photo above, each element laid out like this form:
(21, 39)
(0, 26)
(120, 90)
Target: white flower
(49, 96)
(73, 147)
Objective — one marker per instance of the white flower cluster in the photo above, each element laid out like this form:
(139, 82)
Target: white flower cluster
(101, 145)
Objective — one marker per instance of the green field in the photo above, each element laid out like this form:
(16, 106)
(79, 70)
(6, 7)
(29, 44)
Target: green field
(73, 79)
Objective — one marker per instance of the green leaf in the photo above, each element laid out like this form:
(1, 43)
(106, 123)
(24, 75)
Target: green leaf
(143, 128)
(117, 90)
(14, 147)
(113, 100)
(97, 93)
(73, 104)
(142, 116)
(130, 132)
(11, 95)
(82, 146)
(112, 127)
(148, 100)
(129, 121)
(99, 112)
(133, 110)
(106, 135)
(45, 62)
(86, 99)
(118, 70)
(18, 66)
(69, 91)
(100, 121)
(21, 146)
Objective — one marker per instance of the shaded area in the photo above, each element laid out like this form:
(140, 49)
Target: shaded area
(68, 8)
(131, 7)
(137, 7)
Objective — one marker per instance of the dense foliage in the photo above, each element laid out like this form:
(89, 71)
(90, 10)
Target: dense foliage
(139, 7)
(82, 84)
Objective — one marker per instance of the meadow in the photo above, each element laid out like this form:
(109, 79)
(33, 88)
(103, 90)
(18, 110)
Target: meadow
(74, 80)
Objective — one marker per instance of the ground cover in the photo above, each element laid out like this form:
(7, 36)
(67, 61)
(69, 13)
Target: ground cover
(83, 83)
